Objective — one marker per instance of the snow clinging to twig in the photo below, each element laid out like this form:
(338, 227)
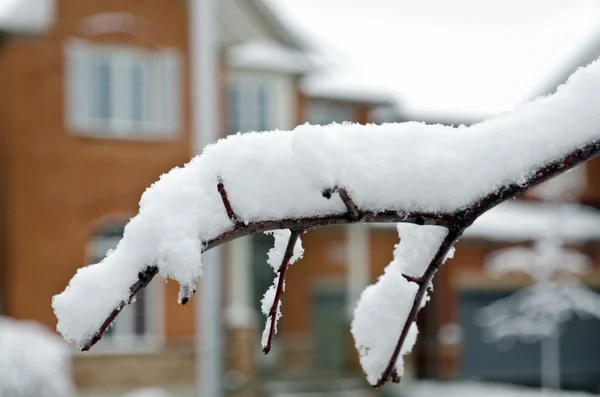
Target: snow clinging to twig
(281, 175)
(274, 259)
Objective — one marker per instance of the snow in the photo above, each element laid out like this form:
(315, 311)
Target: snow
(477, 389)
(28, 16)
(33, 361)
(383, 308)
(268, 56)
(423, 242)
(281, 175)
(518, 220)
(149, 392)
(443, 60)
(546, 258)
(274, 259)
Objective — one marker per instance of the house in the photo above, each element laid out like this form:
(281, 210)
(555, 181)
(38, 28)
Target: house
(95, 106)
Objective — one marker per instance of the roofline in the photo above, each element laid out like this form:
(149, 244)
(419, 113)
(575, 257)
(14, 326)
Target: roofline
(287, 36)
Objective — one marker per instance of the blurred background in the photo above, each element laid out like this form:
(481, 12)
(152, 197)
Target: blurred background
(96, 102)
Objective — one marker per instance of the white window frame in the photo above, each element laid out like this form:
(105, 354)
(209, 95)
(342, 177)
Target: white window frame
(123, 338)
(280, 100)
(246, 107)
(162, 91)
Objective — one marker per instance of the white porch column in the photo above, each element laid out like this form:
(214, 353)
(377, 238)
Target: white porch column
(240, 310)
(357, 260)
(205, 126)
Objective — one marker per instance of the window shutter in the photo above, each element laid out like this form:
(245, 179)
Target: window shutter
(77, 85)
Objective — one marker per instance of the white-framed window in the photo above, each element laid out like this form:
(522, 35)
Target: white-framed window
(248, 107)
(122, 92)
(139, 324)
(325, 112)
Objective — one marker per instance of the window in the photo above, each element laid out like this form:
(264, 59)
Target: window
(248, 107)
(137, 324)
(323, 113)
(122, 92)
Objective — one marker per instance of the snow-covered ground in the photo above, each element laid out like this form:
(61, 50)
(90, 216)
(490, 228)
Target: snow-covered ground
(477, 389)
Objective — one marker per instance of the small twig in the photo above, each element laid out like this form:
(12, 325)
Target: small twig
(413, 279)
(395, 377)
(350, 205)
(285, 261)
(226, 203)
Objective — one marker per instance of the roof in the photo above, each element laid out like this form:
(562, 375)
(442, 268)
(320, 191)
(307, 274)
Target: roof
(26, 16)
(443, 60)
(521, 221)
(268, 56)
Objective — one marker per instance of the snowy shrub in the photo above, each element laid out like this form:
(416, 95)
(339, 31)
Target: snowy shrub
(34, 362)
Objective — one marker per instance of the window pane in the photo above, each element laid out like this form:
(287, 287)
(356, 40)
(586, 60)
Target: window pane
(233, 100)
(262, 109)
(137, 92)
(102, 89)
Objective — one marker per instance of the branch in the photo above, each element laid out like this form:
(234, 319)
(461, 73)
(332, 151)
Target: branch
(456, 222)
(285, 261)
(453, 235)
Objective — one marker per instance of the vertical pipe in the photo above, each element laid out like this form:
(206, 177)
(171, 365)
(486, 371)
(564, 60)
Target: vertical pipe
(357, 260)
(205, 111)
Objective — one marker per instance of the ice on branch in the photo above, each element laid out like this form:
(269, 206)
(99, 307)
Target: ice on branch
(383, 308)
(276, 259)
(402, 172)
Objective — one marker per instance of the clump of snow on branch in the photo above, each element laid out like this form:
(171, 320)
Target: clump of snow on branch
(274, 259)
(281, 175)
(34, 362)
(383, 308)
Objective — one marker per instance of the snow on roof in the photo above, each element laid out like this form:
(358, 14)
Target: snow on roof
(270, 56)
(443, 60)
(516, 221)
(26, 16)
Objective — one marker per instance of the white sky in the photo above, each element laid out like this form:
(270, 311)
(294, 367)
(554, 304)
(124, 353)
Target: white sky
(444, 58)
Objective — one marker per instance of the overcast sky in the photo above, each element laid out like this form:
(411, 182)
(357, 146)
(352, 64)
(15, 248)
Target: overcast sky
(463, 56)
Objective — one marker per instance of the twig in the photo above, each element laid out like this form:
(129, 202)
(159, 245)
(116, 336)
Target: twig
(353, 211)
(285, 261)
(226, 203)
(413, 279)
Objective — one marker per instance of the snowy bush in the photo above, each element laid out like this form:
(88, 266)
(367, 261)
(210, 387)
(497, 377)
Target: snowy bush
(34, 362)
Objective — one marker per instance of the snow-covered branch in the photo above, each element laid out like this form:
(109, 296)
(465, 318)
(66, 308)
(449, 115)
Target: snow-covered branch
(405, 173)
